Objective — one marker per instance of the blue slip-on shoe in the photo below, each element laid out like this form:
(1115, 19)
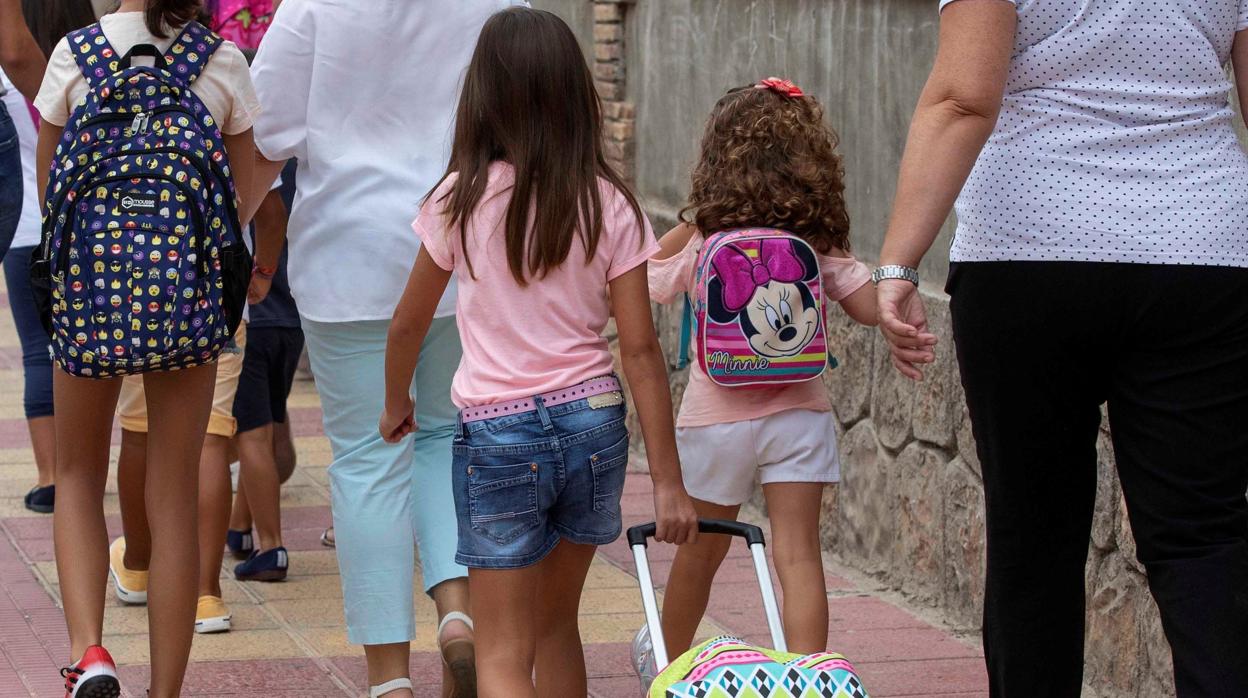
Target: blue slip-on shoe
(240, 543)
(41, 499)
(267, 566)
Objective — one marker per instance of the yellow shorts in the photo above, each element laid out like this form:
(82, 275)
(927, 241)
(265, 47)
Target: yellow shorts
(132, 405)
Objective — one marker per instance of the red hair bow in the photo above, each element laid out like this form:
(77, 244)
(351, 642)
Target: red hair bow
(782, 87)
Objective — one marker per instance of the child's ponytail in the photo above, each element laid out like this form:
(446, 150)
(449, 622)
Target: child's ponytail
(163, 15)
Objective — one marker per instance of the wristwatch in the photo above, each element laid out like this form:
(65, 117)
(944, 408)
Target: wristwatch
(895, 271)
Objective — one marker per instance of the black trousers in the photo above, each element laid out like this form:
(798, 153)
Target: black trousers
(1041, 345)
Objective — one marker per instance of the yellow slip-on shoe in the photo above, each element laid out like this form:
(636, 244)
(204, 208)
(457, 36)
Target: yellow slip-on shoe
(211, 615)
(131, 585)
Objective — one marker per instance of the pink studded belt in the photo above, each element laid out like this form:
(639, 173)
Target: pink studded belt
(589, 388)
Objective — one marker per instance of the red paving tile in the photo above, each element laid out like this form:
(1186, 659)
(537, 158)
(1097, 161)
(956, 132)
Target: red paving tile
(10, 357)
(273, 677)
(305, 421)
(14, 434)
(614, 687)
(32, 634)
(949, 678)
(426, 671)
(608, 659)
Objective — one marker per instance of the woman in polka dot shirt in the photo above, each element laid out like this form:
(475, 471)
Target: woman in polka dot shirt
(1101, 257)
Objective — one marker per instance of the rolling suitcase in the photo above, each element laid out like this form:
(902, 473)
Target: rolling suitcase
(726, 666)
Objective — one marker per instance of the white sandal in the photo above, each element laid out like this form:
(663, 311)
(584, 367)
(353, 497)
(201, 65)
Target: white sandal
(459, 656)
(393, 685)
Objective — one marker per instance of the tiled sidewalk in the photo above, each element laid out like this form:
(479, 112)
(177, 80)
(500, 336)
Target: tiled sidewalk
(288, 638)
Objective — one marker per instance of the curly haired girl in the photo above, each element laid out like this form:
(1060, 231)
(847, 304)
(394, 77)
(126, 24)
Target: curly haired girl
(768, 160)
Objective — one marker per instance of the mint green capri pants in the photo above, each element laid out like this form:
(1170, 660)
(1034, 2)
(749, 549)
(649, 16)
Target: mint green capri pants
(387, 498)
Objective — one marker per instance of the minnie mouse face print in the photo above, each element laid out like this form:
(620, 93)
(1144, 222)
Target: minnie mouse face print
(768, 296)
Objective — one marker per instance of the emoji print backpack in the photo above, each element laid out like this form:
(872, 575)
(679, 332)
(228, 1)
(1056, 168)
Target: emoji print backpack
(142, 266)
(758, 309)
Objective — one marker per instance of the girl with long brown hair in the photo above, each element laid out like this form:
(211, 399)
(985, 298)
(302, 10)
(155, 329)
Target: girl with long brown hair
(548, 244)
(179, 402)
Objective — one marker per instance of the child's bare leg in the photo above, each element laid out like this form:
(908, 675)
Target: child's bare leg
(284, 450)
(258, 472)
(84, 420)
(178, 406)
(240, 514)
(560, 658)
(131, 485)
(43, 442)
(689, 583)
(504, 612)
(215, 499)
(793, 508)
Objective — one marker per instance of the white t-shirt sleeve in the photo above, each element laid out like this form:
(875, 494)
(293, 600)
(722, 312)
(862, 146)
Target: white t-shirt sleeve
(945, 3)
(236, 76)
(52, 102)
(282, 72)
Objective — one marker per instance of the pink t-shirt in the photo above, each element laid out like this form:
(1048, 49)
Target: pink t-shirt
(706, 403)
(521, 341)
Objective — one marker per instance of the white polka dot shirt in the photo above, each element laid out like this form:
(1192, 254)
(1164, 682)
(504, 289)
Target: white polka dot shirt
(1115, 141)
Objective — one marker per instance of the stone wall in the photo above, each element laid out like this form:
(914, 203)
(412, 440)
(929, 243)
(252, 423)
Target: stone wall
(910, 508)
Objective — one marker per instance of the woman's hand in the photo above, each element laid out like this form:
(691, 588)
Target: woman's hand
(676, 521)
(398, 421)
(903, 322)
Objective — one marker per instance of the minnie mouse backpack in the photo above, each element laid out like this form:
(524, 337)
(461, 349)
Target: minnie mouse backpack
(142, 266)
(757, 310)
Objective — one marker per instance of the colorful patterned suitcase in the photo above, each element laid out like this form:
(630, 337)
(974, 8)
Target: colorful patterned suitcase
(727, 667)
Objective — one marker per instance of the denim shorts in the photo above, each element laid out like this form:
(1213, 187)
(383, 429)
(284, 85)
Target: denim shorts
(524, 481)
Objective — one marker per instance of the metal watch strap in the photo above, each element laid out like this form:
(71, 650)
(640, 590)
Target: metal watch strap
(895, 271)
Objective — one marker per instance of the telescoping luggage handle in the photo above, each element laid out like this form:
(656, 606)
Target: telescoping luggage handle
(753, 535)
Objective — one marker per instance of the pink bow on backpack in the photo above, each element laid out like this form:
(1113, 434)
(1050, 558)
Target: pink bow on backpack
(741, 275)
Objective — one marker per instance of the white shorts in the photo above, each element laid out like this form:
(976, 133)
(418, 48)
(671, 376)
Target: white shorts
(719, 461)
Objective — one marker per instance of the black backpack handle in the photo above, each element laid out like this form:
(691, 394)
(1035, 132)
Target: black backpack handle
(143, 50)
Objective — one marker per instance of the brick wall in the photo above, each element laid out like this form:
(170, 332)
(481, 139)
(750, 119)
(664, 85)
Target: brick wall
(610, 77)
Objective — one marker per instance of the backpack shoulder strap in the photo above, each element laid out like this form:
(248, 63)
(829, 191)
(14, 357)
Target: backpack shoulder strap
(95, 56)
(686, 334)
(188, 55)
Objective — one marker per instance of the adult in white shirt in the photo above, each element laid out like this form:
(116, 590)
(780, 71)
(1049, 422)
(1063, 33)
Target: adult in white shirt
(1101, 257)
(364, 94)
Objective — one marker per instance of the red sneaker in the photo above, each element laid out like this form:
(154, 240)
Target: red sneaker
(94, 676)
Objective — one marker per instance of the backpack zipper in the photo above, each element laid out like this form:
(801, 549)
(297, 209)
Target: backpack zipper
(204, 165)
(139, 125)
(62, 257)
(115, 116)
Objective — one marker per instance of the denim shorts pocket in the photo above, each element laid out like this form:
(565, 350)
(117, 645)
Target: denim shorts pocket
(502, 500)
(7, 144)
(610, 465)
